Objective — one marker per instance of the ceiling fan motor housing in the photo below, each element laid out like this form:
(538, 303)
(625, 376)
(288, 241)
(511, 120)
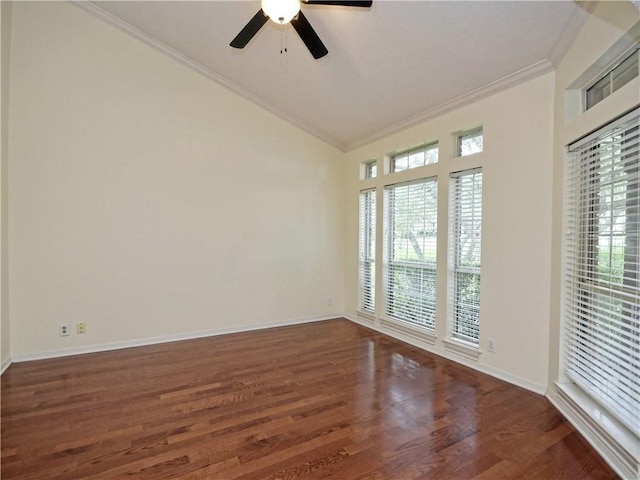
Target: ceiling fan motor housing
(285, 11)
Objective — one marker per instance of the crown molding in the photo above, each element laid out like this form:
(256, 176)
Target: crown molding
(571, 31)
(207, 72)
(529, 73)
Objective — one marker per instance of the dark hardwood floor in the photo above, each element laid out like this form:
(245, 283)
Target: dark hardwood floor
(329, 399)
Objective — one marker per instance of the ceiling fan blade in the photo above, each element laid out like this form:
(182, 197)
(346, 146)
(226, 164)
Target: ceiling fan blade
(249, 30)
(343, 3)
(309, 36)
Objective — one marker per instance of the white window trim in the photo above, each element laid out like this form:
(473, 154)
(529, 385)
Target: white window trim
(610, 438)
(424, 147)
(412, 330)
(634, 50)
(366, 316)
(457, 136)
(462, 348)
(455, 344)
(372, 273)
(392, 322)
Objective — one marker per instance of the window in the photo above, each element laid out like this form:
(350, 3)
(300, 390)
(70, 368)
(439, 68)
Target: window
(465, 241)
(618, 76)
(469, 142)
(371, 169)
(367, 250)
(410, 267)
(602, 268)
(418, 157)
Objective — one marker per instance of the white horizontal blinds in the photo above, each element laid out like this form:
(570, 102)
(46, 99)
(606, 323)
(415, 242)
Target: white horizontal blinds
(602, 268)
(464, 277)
(418, 157)
(367, 250)
(411, 236)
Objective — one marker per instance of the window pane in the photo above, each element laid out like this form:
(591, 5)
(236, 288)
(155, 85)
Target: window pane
(418, 157)
(625, 72)
(602, 303)
(614, 79)
(371, 169)
(470, 143)
(410, 269)
(367, 273)
(599, 91)
(464, 277)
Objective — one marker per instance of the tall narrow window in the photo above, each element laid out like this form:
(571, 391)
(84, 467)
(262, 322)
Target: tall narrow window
(465, 242)
(602, 268)
(367, 250)
(410, 252)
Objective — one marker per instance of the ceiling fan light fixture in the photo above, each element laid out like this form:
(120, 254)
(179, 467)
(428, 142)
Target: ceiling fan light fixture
(281, 11)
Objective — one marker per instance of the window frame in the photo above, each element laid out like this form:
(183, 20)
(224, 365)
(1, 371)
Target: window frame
(586, 318)
(460, 136)
(455, 270)
(393, 311)
(370, 169)
(434, 145)
(631, 52)
(367, 251)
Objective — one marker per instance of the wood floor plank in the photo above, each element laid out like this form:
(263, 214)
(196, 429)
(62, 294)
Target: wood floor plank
(322, 400)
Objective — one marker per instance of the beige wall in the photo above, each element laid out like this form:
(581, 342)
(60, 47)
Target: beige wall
(148, 201)
(5, 43)
(516, 237)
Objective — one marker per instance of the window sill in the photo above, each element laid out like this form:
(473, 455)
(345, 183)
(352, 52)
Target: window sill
(414, 331)
(458, 347)
(616, 443)
(366, 316)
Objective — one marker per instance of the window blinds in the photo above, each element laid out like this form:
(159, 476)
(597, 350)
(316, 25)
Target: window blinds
(410, 268)
(601, 260)
(464, 275)
(367, 268)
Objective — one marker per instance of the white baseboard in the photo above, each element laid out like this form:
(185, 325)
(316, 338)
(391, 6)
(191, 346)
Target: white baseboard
(424, 345)
(105, 347)
(617, 446)
(6, 363)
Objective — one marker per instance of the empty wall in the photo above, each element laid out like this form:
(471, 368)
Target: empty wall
(5, 330)
(151, 203)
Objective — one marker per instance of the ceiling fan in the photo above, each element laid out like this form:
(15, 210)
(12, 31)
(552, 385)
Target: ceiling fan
(285, 11)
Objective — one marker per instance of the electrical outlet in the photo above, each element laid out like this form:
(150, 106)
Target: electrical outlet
(64, 329)
(81, 327)
(492, 345)
(329, 302)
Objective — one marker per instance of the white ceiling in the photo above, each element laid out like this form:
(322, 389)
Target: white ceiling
(388, 67)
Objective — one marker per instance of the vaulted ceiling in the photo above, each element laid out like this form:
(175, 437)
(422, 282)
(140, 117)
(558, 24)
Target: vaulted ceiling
(388, 67)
